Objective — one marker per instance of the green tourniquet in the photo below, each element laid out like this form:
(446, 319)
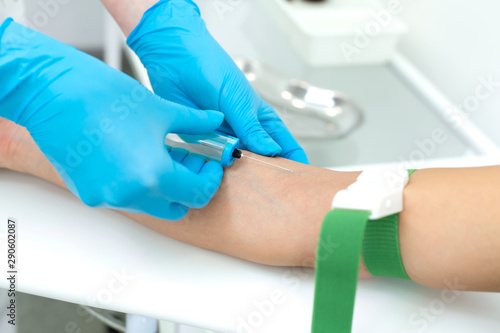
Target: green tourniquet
(337, 264)
(337, 268)
(381, 253)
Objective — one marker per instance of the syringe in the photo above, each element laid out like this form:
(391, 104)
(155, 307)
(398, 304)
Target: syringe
(211, 146)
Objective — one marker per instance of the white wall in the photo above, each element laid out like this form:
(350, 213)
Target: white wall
(454, 42)
(76, 22)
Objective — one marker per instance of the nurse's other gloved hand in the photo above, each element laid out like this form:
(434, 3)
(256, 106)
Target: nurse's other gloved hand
(186, 65)
(103, 131)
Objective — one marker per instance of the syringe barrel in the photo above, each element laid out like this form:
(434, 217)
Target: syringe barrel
(211, 146)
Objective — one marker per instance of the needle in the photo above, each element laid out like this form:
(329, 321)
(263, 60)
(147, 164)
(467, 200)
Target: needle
(274, 165)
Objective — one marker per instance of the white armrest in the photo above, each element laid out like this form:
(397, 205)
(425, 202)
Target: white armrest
(70, 252)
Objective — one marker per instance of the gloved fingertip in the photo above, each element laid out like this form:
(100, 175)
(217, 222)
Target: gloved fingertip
(261, 143)
(216, 117)
(161, 209)
(213, 171)
(298, 156)
(215, 113)
(176, 212)
(211, 174)
(277, 152)
(193, 121)
(4, 25)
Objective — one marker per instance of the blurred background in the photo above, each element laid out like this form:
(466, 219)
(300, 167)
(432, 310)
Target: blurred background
(367, 82)
(450, 44)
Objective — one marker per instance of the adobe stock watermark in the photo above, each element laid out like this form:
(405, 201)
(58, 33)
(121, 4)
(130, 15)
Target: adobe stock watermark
(364, 34)
(287, 115)
(74, 326)
(94, 137)
(203, 196)
(425, 315)
(12, 259)
(222, 7)
(48, 10)
(425, 148)
(117, 284)
(416, 158)
(372, 28)
(292, 279)
(484, 90)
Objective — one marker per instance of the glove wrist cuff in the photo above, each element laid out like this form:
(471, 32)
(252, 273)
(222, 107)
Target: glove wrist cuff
(29, 63)
(3, 26)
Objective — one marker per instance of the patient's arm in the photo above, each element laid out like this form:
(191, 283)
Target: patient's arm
(449, 229)
(260, 213)
(127, 13)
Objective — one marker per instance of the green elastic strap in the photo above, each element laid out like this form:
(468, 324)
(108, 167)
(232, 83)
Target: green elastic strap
(381, 253)
(337, 263)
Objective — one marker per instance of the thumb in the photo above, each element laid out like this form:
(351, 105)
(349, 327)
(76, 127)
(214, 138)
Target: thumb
(186, 120)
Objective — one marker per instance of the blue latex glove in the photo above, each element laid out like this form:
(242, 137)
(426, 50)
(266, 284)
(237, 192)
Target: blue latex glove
(186, 65)
(103, 131)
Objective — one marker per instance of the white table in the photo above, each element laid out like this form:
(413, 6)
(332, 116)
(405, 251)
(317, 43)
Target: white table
(70, 252)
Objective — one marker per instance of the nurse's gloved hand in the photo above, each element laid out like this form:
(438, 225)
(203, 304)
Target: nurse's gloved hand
(186, 65)
(103, 131)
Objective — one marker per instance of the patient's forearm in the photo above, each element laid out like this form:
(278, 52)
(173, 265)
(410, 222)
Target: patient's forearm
(260, 213)
(263, 214)
(449, 229)
(127, 13)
